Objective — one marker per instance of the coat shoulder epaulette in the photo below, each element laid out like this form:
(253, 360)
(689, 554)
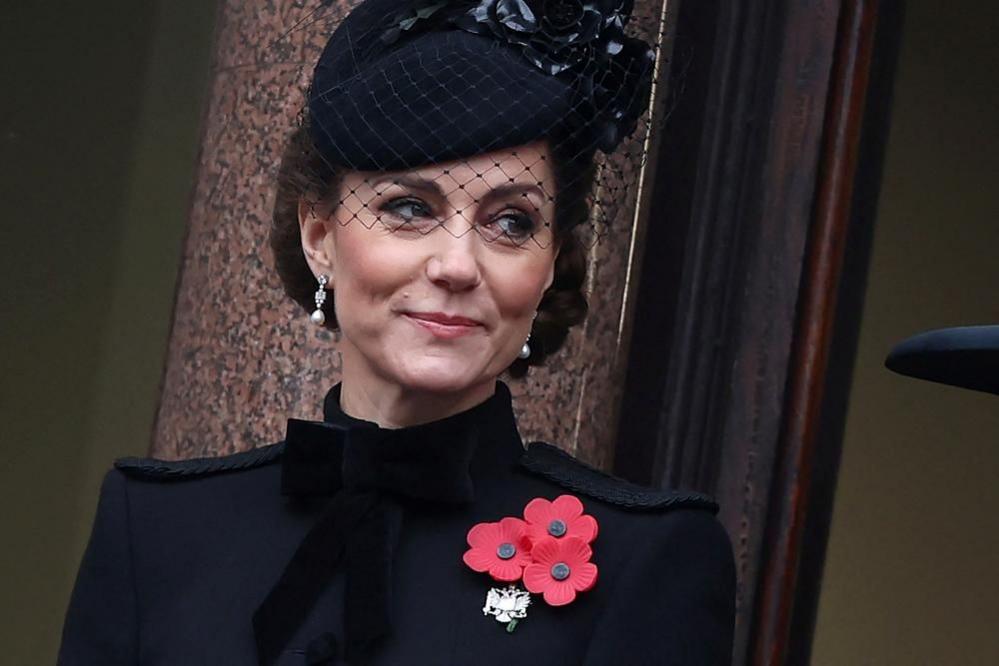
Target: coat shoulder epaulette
(559, 467)
(170, 470)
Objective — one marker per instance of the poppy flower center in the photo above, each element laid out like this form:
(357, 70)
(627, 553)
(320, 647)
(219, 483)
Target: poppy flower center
(556, 528)
(506, 550)
(560, 571)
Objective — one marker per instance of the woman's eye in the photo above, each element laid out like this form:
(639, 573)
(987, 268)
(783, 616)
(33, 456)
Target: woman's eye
(407, 210)
(513, 225)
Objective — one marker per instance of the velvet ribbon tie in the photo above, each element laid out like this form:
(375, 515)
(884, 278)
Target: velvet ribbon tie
(370, 473)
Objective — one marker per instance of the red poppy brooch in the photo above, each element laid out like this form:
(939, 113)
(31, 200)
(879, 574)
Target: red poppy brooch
(548, 551)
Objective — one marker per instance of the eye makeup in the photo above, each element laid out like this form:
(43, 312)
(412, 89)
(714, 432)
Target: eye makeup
(510, 213)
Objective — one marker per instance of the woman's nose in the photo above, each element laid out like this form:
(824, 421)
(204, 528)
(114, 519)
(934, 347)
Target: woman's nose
(455, 264)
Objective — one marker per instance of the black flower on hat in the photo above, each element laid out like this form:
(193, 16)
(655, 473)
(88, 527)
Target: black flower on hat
(579, 39)
(555, 35)
(620, 91)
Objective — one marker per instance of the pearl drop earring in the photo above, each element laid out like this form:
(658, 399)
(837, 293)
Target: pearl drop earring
(318, 317)
(525, 351)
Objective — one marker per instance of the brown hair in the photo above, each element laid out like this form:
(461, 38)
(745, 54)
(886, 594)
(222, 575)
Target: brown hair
(303, 172)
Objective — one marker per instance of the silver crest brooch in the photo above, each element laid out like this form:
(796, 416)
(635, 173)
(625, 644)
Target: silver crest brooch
(508, 605)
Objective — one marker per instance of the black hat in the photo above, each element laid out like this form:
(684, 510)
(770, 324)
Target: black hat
(404, 84)
(966, 356)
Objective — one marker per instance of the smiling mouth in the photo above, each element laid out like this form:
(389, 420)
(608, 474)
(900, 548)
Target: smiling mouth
(442, 325)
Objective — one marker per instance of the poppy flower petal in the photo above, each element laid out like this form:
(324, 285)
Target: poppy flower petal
(507, 572)
(484, 535)
(536, 532)
(567, 507)
(559, 594)
(546, 551)
(575, 550)
(478, 559)
(523, 557)
(584, 527)
(538, 512)
(584, 576)
(537, 577)
(512, 529)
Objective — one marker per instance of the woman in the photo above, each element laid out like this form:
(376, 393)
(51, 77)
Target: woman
(426, 209)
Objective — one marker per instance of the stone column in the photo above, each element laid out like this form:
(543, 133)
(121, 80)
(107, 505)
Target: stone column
(242, 357)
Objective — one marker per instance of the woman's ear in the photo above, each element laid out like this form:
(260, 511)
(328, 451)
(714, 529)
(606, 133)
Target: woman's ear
(316, 230)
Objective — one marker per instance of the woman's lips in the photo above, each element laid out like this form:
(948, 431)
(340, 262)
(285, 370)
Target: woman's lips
(443, 325)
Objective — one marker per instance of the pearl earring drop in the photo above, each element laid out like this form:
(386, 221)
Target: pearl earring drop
(525, 351)
(318, 317)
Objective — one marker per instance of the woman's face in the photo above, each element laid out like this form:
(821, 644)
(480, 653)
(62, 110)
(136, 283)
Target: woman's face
(437, 272)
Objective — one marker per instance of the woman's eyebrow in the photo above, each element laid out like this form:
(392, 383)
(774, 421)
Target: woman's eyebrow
(432, 187)
(510, 189)
(412, 182)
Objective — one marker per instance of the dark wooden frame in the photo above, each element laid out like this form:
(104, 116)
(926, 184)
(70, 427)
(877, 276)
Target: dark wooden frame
(749, 297)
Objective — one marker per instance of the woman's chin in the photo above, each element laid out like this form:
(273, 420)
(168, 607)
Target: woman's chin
(442, 374)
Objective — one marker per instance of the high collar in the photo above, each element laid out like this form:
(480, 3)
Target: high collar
(436, 460)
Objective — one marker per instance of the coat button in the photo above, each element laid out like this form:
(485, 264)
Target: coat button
(321, 650)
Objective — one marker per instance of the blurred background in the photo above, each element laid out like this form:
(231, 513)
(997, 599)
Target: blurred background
(100, 122)
(99, 133)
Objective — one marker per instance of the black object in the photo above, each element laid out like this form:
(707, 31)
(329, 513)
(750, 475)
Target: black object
(183, 554)
(401, 85)
(965, 356)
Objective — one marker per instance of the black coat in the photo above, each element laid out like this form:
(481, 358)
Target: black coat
(345, 541)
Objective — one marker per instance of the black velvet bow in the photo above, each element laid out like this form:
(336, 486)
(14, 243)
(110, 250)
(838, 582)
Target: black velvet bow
(422, 462)
(369, 471)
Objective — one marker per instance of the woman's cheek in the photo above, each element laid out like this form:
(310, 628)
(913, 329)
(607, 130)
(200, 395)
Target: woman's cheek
(376, 266)
(518, 289)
